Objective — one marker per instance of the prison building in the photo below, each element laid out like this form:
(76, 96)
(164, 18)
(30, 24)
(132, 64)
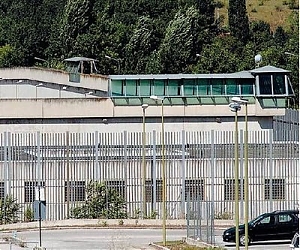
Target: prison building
(62, 129)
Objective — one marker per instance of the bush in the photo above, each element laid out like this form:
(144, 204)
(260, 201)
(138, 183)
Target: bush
(9, 210)
(224, 216)
(101, 202)
(28, 214)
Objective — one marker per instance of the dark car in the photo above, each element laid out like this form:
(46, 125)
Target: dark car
(277, 225)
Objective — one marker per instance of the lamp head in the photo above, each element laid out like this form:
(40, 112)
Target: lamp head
(234, 106)
(154, 97)
(239, 100)
(144, 106)
(157, 98)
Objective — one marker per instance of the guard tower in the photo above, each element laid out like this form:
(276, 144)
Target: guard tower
(80, 65)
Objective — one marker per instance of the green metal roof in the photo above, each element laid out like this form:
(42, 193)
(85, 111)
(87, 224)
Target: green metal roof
(242, 74)
(268, 69)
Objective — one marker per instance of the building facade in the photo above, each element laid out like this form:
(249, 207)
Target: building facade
(64, 129)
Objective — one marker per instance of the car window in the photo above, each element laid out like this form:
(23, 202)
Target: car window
(284, 218)
(257, 220)
(268, 220)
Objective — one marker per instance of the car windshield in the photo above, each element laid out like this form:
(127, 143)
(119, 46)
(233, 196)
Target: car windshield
(252, 222)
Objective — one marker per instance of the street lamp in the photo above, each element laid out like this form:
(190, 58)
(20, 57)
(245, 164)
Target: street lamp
(241, 101)
(296, 55)
(36, 86)
(42, 60)
(235, 107)
(290, 54)
(164, 188)
(144, 107)
(116, 60)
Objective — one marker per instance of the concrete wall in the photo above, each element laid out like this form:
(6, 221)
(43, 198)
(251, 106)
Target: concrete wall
(28, 107)
(55, 76)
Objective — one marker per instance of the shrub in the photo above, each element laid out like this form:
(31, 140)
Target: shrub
(9, 210)
(28, 214)
(101, 202)
(224, 216)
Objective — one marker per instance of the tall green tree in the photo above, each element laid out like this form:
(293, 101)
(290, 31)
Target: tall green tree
(238, 20)
(261, 35)
(222, 56)
(140, 46)
(75, 21)
(177, 50)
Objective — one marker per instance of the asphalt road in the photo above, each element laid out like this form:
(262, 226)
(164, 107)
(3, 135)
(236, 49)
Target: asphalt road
(115, 239)
(100, 238)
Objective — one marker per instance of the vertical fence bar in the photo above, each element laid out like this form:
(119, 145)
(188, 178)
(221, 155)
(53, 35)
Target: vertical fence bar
(270, 134)
(182, 177)
(154, 167)
(212, 187)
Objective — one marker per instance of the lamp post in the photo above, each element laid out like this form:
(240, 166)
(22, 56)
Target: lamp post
(164, 188)
(241, 101)
(43, 61)
(144, 107)
(290, 54)
(36, 86)
(296, 55)
(235, 107)
(116, 60)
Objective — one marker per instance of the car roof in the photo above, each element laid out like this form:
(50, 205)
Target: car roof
(294, 211)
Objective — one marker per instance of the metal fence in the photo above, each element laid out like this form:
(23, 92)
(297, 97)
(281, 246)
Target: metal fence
(199, 165)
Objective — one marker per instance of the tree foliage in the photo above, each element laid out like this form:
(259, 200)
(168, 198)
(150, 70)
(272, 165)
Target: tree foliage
(101, 202)
(9, 210)
(145, 36)
(238, 19)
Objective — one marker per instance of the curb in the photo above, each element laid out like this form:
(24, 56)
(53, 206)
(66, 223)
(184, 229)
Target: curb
(113, 223)
(155, 246)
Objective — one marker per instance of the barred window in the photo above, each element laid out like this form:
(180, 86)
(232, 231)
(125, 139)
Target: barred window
(2, 194)
(274, 189)
(29, 190)
(194, 189)
(229, 189)
(149, 188)
(119, 186)
(76, 191)
(159, 190)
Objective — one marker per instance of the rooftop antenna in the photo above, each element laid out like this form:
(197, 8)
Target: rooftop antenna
(258, 60)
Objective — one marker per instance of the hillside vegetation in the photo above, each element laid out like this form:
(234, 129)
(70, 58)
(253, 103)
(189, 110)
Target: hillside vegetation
(274, 12)
(150, 36)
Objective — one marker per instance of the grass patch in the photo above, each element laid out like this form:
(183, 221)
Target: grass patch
(274, 12)
(182, 245)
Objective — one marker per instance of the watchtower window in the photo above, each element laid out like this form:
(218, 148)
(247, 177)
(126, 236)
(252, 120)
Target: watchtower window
(218, 87)
(145, 87)
(158, 87)
(279, 84)
(131, 88)
(247, 86)
(190, 87)
(204, 87)
(265, 86)
(174, 87)
(232, 87)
